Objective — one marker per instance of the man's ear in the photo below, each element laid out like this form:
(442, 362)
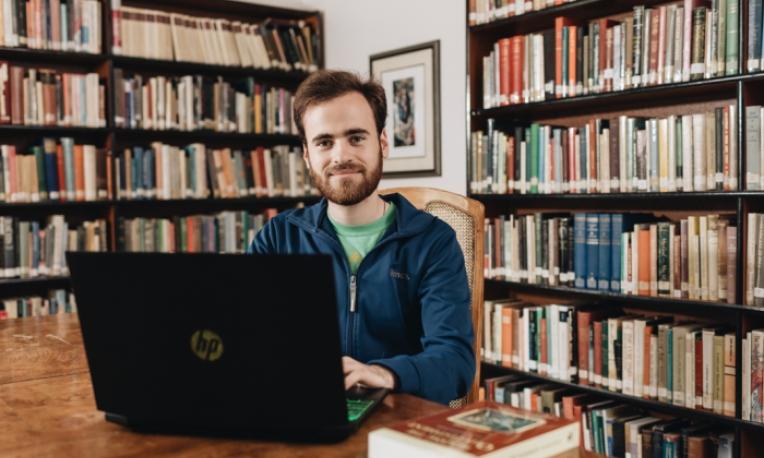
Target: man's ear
(384, 144)
(305, 155)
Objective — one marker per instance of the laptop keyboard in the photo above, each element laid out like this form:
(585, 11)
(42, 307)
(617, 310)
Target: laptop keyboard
(357, 407)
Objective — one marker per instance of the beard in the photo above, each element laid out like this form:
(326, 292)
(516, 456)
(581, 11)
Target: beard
(347, 190)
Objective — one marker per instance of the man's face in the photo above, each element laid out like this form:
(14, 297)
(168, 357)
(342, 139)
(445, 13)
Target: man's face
(343, 152)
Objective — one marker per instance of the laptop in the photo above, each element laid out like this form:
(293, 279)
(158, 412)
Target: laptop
(217, 344)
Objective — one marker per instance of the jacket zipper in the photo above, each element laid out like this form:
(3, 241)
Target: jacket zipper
(353, 291)
(353, 285)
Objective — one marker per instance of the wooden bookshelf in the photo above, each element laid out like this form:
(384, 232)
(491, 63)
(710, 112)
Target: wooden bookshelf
(647, 404)
(112, 138)
(155, 66)
(741, 89)
(16, 287)
(125, 137)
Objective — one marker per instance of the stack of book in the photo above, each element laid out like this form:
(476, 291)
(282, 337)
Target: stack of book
(32, 96)
(688, 364)
(164, 171)
(57, 25)
(694, 258)
(609, 428)
(485, 11)
(480, 429)
(31, 249)
(57, 301)
(666, 44)
(54, 171)
(194, 102)
(692, 152)
(226, 232)
(154, 34)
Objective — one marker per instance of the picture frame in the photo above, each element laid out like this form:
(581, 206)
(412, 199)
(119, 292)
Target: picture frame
(411, 78)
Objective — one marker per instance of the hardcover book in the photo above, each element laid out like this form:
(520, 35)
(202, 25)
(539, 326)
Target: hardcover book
(482, 429)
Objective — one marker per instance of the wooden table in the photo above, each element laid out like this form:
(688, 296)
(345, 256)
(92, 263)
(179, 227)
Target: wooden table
(47, 406)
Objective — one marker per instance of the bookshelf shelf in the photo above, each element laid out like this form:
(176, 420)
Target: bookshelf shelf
(139, 64)
(55, 205)
(705, 89)
(7, 282)
(544, 18)
(52, 131)
(648, 302)
(537, 17)
(11, 287)
(520, 198)
(47, 56)
(218, 203)
(252, 10)
(209, 137)
(646, 201)
(647, 404)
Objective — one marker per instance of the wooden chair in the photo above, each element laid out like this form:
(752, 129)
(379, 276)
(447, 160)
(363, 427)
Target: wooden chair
(467, 217)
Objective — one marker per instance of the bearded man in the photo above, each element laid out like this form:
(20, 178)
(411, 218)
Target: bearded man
(402, 294)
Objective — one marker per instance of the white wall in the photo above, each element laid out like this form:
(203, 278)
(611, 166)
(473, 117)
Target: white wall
(356, 29)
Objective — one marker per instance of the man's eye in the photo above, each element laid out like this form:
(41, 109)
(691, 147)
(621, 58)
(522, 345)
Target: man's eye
(324, 144)
(356, 139)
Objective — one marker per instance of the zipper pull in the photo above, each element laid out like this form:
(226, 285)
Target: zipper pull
(353, 288)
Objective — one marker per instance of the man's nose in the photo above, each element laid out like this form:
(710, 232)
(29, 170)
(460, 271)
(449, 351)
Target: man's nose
(341, 152)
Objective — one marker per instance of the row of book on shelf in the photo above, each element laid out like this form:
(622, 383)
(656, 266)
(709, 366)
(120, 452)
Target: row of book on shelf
(58, 25)
(164, 171)
(485, 11)
(664, 358)
(693, 258)
(193, 102)
(56, 302)
(224, 232)
(278, 44)
(39, 96)
(60, 170)
(666, 44)
(613, 428)
(30, 248)
(678, 153)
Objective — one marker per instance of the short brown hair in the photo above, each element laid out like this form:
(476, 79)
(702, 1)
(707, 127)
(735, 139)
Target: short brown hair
(326, 85)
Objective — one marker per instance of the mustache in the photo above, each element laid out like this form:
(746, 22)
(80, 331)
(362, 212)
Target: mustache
(343, 168)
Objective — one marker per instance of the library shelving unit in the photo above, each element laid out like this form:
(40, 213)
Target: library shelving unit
(741, 89)
(110, 137)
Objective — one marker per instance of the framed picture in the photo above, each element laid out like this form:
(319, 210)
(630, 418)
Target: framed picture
(411, 78)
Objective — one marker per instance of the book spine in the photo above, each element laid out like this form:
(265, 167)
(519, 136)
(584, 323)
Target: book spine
(604, 249)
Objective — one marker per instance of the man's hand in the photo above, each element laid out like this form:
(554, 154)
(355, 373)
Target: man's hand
(369, 375)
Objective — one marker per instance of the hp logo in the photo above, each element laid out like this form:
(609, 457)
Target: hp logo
(207, 345)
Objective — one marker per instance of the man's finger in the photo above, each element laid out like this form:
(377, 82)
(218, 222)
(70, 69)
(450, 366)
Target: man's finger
(353, 378)
(349, 364)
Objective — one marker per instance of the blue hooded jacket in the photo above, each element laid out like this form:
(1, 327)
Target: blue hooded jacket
(411, 311)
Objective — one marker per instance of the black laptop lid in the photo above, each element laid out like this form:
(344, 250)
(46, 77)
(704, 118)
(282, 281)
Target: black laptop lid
(229, 342)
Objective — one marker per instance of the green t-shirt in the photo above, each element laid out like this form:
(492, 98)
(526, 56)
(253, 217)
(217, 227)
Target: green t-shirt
(359, 240)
